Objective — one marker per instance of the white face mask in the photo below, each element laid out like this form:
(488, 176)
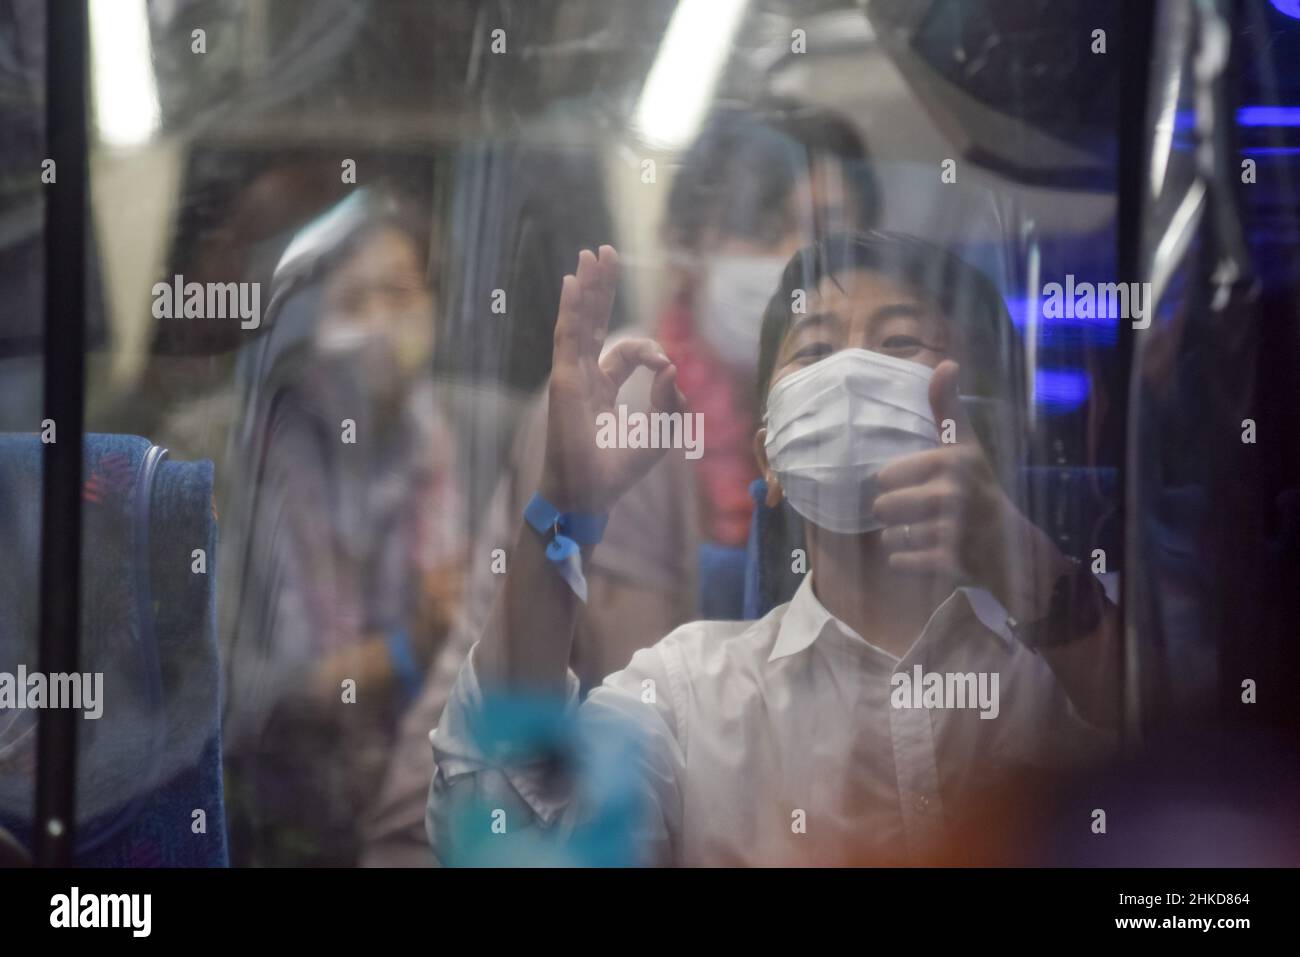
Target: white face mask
(833, 425)
(732, 301)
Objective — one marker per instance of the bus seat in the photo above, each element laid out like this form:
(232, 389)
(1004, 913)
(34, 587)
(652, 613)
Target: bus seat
(149, 783)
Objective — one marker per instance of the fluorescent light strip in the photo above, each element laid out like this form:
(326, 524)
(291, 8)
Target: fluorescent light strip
(680, 85)
(125, 90)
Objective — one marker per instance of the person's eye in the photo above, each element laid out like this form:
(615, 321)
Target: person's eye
(812, 352)
(903, 344)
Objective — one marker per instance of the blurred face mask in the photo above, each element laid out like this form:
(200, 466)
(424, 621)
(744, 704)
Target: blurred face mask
(730, 310)
(370, 356)
(832, 426)
(386, 357)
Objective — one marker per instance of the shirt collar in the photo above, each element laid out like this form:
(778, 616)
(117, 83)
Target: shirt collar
(806, 618)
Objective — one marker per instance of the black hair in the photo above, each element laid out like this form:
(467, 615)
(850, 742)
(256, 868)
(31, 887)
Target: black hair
(992, 366)
(737, 174)
(391, 211)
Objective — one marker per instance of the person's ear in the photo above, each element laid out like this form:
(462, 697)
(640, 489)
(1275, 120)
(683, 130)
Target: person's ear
(774, 493)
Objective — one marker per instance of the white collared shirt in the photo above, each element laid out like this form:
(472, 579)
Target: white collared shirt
(781, 741)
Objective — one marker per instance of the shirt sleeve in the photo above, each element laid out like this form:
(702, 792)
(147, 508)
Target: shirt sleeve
(633, 706)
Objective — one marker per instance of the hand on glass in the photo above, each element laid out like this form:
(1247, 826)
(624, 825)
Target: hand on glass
(577, 474)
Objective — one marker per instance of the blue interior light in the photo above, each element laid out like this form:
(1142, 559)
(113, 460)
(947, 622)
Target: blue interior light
(1060, 390)
(1269, 115)
(1290, 7)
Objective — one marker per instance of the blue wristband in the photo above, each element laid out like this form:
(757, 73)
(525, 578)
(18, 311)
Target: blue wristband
(403, 660)
(565, 533)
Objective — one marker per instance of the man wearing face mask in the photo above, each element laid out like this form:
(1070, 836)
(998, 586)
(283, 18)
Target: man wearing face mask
(786, 740)
(753, 187)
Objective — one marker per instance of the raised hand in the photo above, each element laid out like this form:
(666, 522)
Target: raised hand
(578, 475)
(948, 516)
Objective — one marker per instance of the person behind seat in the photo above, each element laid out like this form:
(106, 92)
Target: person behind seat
(787, 740)
(356, 555)
(753, 188)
